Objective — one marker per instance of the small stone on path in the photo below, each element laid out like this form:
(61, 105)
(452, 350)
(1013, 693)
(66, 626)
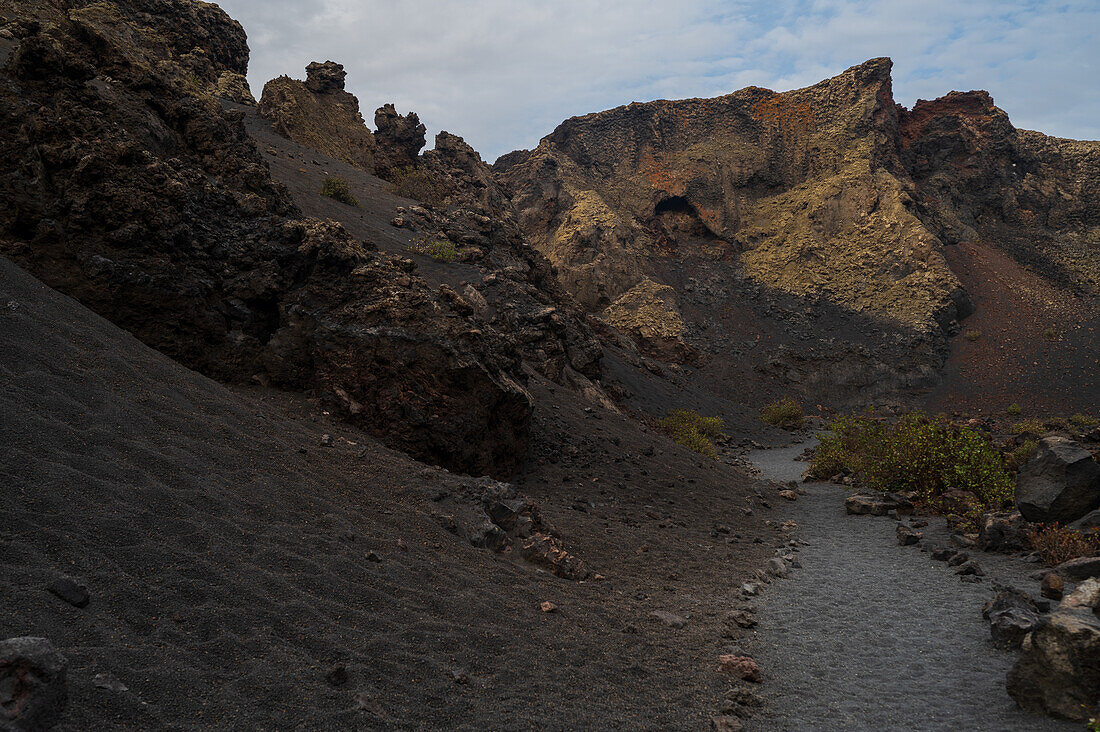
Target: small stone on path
(742, 667)
(70, 591)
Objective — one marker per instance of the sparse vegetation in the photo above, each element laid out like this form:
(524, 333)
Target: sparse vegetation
(1034, 426)
(972, 335)
(1015, 459)
(1081, 421)
(1013, 410)
(417, 184)
(688, 428)
(441, 250)
(337, 189)
(927, 455)
(785, 413)
(1057, 544)
(1050, 334)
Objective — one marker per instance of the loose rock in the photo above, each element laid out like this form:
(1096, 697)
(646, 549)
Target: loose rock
(908, 537)
(33, 693)
(1060, 482)
(743, 667)
(70, 591)
(1011, 615)
(1052, 586)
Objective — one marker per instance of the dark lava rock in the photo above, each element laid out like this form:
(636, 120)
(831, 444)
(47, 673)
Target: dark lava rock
(1059, 671)
(399, 139)
(1059, 483)
(337, 675)
(1011, 615)
(958, 559)
(1004, 531)
(33, 693)
(1088, 523)
(876, 504)
(1053, 586)
(944, 554)
(70, 591)
(1076, 570)
(908, 537)
(969, 568)
(324, 78)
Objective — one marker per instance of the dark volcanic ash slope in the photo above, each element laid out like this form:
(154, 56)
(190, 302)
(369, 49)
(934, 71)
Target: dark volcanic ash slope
(798, 241)
(234, 562)
(127, 185)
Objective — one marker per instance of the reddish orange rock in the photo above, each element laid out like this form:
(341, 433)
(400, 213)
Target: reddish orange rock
(742, 667)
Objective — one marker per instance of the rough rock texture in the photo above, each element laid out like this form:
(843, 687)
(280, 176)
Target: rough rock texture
(319, 114)
(1076, 570)
(1011, 615)
(325, 78)
(32, 684)
(1059, 671)
(1002, 531)
(399, 139)
(127, 187)
(1060, 482)
(767, 211)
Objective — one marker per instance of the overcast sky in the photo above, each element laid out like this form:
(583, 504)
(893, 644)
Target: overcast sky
(503, 73)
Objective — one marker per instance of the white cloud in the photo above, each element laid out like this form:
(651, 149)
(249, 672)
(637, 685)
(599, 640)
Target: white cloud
(503, 73)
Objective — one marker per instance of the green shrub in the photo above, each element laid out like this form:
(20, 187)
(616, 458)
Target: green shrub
(337, 189)
(972, 335)
(417, 184)
(441, 250)
(1013, 410)
(927, 455)
(1081, 421)
(1057, 544)
(1015, 459)
(785, 413)
(1050, 334)
(1028, 425)
(692, 430)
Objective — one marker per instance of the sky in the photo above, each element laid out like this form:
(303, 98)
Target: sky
(504, 73)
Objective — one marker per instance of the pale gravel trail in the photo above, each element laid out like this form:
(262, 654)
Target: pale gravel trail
(869, 635)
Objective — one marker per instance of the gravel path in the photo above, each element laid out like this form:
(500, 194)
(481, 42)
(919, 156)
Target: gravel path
(869, 635)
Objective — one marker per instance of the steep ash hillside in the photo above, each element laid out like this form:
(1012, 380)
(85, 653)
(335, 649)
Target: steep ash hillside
(124, 183)
(803, 232)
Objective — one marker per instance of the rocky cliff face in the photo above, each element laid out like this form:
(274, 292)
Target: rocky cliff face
(126, 185)
(769, 211)
(462, 210)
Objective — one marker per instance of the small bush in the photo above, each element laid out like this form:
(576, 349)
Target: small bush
(441, 250)
(417, 184)
(785, 413)
(930, 456)
(1015, 459)
(1050, 334)
(337, 189)
(973, 335)
(1028, 425)
(1013, 410)
(692, 430)
(1081, 421)
(1057, 544)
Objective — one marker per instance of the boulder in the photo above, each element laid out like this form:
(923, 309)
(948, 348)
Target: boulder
(1011, 615)
(1052, 586)
(908, 537)
(876, 504)
(1089, 523)
(1003, 531)
(1059, 671)
(32, 684)
(1059, 483)
(1077, 570)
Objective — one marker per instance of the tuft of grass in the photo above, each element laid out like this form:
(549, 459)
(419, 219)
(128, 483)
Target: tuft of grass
(927, 455)
(441, 250)
(1013, 410)
(785, 413)
(972, 335)
(419, 185)
(337, 189)
(1057, 544)
(1050, 334)
(688, 428)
